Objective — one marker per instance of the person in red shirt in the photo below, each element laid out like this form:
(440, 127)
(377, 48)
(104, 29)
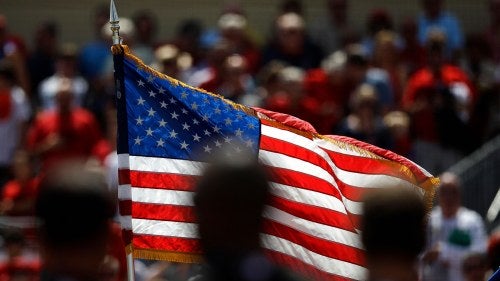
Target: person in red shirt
(18, 194)
(329, 86)
(68, 132)
(439, 97)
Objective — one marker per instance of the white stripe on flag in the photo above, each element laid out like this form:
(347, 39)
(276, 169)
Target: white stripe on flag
(123, 161)
(279, 160)
(308, 197)
(317, 230)
(124, 192)
(162, 196)
(165, 228)
(125, 222)
(165, 165)
(323, 263)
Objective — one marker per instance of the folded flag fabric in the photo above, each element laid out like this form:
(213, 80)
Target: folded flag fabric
(166, 132)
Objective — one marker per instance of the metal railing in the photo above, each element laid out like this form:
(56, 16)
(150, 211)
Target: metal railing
(480, 176)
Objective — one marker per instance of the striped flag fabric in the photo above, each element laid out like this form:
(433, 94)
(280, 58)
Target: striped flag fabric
(167, 131)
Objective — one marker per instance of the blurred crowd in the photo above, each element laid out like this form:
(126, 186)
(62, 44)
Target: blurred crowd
(421, 88)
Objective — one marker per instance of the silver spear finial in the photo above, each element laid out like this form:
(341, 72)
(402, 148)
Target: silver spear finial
(115, 27)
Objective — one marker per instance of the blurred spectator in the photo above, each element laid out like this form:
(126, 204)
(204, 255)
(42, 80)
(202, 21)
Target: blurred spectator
(398, 123)
(290, 97)
(412, 53)
(493, 29)
(187, 39)
(170, 61)
(291, 44)
(10, 43)
(75, 210)
(144, 43)
(328, 86)
(435, 18)
(333, 31)
(41, 62)
(393, 233)
(439, 99)
(378, 20)
(386, 56)
(291, 6)
(268, 80)
(474, 266)
(365, 122)
(65, 132)
(237, 84)
(13, 49)
(20, 265)
(477, 62)
(453, 232)
(229, 200)
(233, 28)
(94, 54)
(66, 69)
(18, 194)
(15, 112)
(208, 73)
(358, 71)
(483, 72)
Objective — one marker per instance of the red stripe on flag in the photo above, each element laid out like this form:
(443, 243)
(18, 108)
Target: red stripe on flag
(123, 176)
(302, 180)
(125, 207)
(320, 246)
(369, 166)
(162, 180)
(313, 213)
(127, 236)
(292, 150)
(163, 212)
(174, 244)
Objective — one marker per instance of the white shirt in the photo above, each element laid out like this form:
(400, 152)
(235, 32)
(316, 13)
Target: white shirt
(49, 87)
(452, 235)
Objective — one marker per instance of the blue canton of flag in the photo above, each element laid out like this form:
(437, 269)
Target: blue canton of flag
(172, 120)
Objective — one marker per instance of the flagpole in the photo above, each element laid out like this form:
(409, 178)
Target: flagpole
(114, 21)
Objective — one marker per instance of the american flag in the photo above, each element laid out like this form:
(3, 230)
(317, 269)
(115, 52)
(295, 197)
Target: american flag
(167, 131)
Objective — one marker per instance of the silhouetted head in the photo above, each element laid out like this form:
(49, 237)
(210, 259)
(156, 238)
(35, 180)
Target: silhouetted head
(393, 224)
(229, 200)
(74, 209)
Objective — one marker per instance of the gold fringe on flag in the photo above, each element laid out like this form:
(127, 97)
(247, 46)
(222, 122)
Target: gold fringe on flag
(166, 256)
